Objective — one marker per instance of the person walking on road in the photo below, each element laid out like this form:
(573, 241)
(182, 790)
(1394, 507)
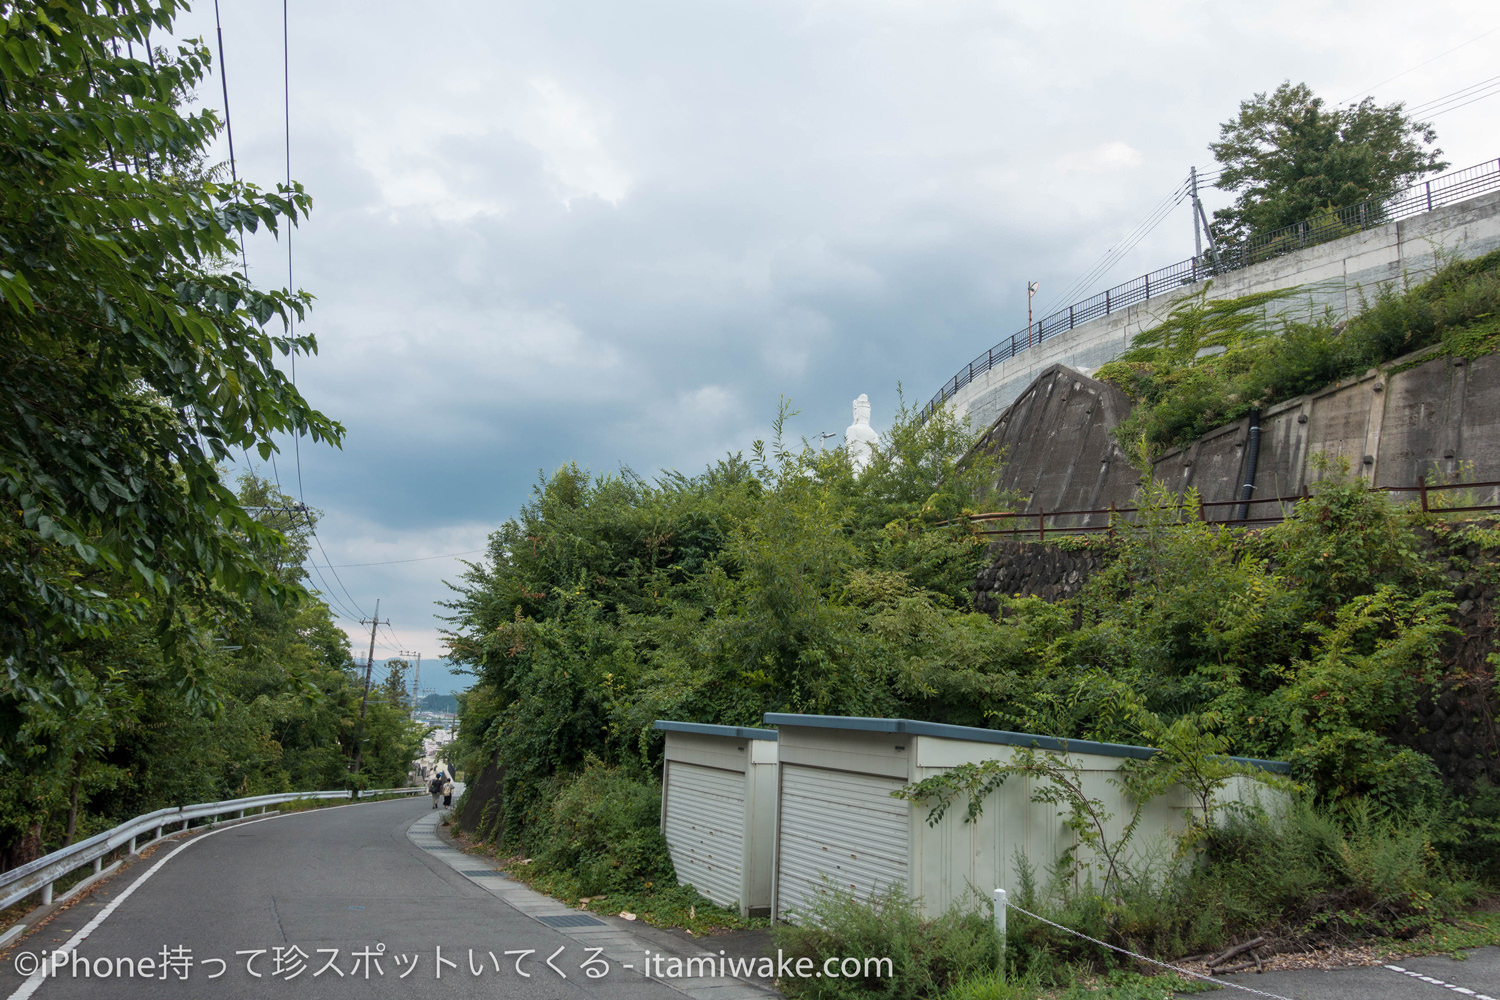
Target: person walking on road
(436, 788)
(447, 793)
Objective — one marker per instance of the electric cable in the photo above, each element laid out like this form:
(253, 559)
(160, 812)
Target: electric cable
(330, 594)
(394, 562)
(1436, 106)
(1434, 114)
(329, 563)
(291, 284)
(1124, 245)
(234, 175)
(1368, 90)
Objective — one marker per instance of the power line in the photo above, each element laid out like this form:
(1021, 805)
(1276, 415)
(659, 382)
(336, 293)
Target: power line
(229, 131)
(394, 562)
(332, 597)
(1492, 93)
(329, 563)
(1413, 69)
(1435, 106)
(357, 614)
(291, 284)
(1125, 244)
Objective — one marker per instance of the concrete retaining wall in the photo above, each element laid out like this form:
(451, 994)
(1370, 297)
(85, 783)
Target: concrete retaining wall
(1438, 418)
(1333, 276)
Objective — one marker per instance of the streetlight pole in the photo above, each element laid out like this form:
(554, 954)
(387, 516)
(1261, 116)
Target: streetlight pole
(1031, 287)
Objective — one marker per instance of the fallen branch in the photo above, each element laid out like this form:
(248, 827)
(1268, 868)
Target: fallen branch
(1238, 949)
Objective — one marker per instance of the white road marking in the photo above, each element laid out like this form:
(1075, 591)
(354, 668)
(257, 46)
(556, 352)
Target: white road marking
(38, 977)
(1461, 990)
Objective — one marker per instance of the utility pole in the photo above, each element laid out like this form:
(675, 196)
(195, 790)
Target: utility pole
(416, 682)
(364, 700)
(1200, 218)
(1197, 235)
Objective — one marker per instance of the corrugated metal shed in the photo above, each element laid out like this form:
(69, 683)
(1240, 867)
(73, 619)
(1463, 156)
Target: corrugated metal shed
(839, 828)
(718, 809)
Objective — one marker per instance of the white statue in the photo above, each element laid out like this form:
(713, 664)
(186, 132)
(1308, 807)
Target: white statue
(860, 439)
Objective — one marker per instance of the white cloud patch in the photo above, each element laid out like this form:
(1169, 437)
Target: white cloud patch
(568, 133)
(1111, 156)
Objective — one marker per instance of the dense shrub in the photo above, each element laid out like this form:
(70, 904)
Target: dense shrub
(603, 829)
(927, 956)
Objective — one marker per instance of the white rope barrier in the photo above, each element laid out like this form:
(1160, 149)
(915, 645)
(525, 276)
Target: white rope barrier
(1001, 901)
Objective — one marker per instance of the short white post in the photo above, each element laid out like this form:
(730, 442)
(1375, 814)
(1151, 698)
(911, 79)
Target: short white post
(1000, 907)
(132, 846)
(47, 894)
(98, 865)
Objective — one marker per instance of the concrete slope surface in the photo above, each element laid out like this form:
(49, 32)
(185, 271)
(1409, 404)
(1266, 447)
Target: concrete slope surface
(357, 901)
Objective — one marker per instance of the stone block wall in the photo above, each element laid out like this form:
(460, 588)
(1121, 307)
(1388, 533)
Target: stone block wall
(1029, 569)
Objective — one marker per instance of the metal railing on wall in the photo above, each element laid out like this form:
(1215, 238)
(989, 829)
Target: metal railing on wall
(1449, 189)
(1437, 498)
(40, 875)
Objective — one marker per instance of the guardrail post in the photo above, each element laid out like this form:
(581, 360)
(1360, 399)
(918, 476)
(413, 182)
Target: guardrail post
(158, 833)
(47, 894)
(98, 865)
(1422, 491)
(132, 845)
(241, 814)
(1041, 525)
(1001, 905)
(1106, 302)
(1148, 286)
(1429, 195)
(1070, 317)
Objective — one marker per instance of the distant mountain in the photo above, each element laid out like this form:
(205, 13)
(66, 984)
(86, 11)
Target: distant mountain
(439, 703)
(438, 675)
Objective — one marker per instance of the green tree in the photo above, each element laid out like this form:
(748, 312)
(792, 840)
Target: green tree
(1291, 156)
(131, 364)
(394, 686)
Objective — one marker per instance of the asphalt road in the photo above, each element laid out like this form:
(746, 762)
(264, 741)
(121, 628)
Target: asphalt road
(343, 898)
(367, 901)
(1430, 977)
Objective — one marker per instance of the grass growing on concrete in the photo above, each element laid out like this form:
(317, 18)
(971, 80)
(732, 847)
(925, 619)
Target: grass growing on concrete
(1262, 360)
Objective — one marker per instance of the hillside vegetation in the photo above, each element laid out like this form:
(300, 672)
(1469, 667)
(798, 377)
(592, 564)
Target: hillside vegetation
(1264, 359)
(787, 583)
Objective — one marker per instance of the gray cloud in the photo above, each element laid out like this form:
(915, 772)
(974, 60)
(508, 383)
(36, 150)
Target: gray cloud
(618, 233)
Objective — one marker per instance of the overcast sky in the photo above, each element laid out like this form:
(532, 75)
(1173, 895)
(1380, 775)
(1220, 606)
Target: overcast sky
(616, 233)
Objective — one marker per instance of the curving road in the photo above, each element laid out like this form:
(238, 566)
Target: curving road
(356, 901)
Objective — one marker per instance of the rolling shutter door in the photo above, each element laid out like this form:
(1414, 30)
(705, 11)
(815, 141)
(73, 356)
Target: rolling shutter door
(705, 829)
(841, 825)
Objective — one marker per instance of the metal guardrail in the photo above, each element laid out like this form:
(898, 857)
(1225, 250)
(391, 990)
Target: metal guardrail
(41, 874)
(1448, 189)
(1037, 522)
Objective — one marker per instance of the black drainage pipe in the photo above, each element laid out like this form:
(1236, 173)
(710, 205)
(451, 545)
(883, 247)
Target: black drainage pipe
(1252, 457)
